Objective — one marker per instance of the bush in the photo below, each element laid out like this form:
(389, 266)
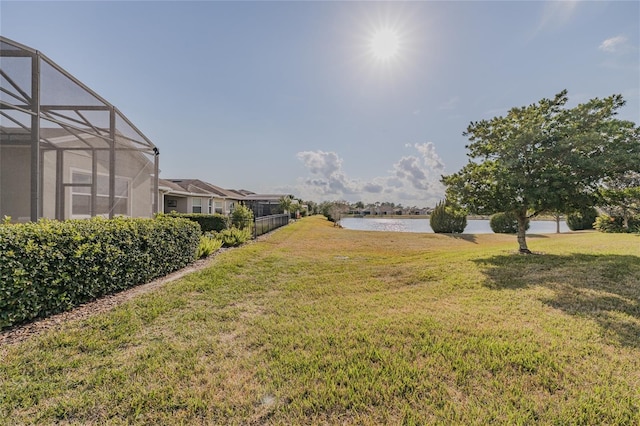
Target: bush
(615, 224)
(445, 219)
(606, 223)
(208, 245)
(232, 237)
(505, 223)
(242, 217)
(208, 222)
(583, 219)
(49, 266)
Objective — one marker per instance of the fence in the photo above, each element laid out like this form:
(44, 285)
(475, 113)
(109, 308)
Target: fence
(265, 224)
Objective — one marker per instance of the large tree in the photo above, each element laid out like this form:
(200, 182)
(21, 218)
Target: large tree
(543, 158)
(621, 196)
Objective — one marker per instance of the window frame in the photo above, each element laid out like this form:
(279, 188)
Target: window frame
(87, 173)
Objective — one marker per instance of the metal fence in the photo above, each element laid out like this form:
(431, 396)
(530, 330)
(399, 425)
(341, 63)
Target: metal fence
(265, 224)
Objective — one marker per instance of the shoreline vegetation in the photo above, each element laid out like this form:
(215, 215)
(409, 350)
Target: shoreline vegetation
(416, 216)
(315, 324)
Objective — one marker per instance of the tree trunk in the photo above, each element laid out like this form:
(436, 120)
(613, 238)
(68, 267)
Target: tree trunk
(557, 224)
(522, 229)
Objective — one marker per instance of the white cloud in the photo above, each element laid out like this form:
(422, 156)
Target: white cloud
(413, 179)
(320, 162)
(328, 177)
(408, 168)
(429, 155)
(556, 14)
(613, 44)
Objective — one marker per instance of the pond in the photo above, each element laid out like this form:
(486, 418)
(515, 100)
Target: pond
(474, 226)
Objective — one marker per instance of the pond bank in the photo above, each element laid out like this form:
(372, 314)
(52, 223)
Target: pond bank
(474, 226)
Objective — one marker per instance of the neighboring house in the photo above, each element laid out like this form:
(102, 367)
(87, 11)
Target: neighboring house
(176, 198)
(65, 152)
(196, 196)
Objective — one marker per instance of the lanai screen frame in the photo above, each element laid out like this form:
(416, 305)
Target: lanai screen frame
(22, 106)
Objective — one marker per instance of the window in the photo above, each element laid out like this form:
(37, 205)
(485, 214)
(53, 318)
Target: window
(81, 195)
(210, 206)
(219, 207)
(196, 205)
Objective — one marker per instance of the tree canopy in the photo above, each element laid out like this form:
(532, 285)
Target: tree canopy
(621, 196)
(543, 158)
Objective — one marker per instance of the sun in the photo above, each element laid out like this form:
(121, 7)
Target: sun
(385, 44)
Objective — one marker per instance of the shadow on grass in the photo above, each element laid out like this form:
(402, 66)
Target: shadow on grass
(472, 238)
(604, 288)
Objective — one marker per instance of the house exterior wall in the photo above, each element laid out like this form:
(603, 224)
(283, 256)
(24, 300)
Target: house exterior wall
(134, 184)
(204, 204)
(175, 204)
(139, 172)
(219, 206)
(15, 182)
(49, 184)
(209, 204)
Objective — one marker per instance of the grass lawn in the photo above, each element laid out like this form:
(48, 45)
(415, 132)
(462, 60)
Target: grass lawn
(321, 325)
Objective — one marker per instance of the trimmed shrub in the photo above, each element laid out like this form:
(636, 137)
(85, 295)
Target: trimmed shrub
(446, 220)
(505, 223)
(49, 266)
(208, 222)
(584, 219)
(615, 224)
(208, 245)
(606, 223)
(232, 237)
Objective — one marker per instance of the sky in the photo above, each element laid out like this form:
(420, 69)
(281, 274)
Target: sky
(303, 98)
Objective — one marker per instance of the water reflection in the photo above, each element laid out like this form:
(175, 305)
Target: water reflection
(422, 225)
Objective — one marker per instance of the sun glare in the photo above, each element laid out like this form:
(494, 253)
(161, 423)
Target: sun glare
(385, 44)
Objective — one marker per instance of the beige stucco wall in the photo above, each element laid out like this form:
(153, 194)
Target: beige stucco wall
(15, 180)
(15, 183)
(181, 202)
(49, 184)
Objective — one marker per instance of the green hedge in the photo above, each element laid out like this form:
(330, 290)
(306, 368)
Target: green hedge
(580, 220)
(208, 222)
(49, 266)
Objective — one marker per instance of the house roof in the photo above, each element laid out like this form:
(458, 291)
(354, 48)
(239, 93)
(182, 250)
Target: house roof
(242, 192)
(264, 197)
(172, 188)
(197, 187)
